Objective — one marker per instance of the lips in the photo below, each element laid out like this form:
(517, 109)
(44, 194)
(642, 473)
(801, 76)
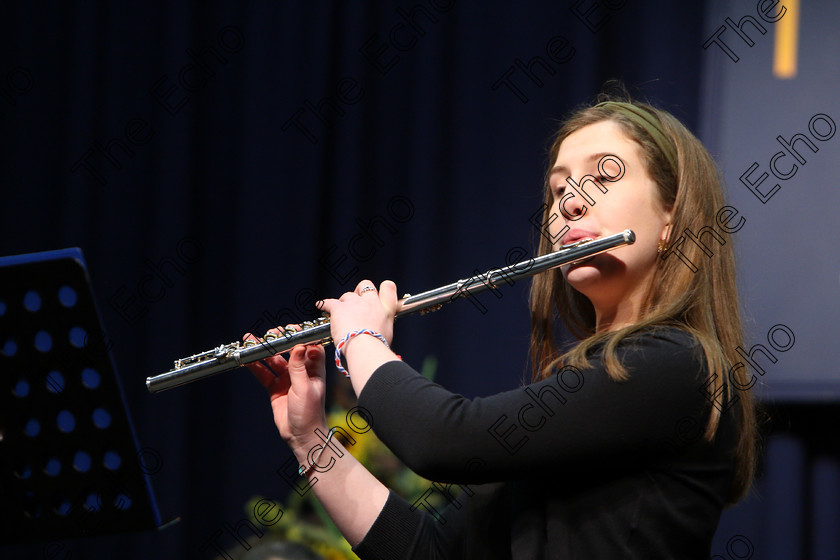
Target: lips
(578, 234)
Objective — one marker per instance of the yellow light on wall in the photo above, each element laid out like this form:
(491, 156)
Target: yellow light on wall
(787, 40)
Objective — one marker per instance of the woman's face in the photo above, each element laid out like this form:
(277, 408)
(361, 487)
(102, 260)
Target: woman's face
(631, 202)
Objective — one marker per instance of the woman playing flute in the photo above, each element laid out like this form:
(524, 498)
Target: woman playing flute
(658, 435)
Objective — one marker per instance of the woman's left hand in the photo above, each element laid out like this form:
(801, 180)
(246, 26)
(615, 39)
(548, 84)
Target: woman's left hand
(364, 308)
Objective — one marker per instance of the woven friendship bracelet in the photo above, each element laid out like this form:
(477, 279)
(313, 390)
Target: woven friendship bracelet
(347, 337)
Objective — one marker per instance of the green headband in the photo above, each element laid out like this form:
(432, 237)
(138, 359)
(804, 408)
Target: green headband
(649, 123)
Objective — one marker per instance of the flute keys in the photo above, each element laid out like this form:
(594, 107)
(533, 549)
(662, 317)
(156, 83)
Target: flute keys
(220, 353)
(431, 308)
(269, 336)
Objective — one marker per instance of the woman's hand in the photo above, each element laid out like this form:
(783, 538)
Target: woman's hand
(364, 308)
(351, 495)
(297, 391)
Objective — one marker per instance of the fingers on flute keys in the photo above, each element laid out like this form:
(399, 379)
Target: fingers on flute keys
(272, 334)
(249, 340)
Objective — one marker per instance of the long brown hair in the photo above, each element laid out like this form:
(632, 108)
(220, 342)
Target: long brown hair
(702, 302)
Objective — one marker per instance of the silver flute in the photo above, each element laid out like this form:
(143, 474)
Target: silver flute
(231, 356)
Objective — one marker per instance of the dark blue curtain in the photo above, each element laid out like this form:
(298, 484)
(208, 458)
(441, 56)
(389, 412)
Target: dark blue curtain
(222, 165)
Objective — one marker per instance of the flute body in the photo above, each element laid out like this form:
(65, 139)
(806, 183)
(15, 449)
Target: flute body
(231, 356)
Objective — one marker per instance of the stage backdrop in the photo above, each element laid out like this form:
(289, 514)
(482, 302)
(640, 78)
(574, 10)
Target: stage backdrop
(222, 165)
(769, 116)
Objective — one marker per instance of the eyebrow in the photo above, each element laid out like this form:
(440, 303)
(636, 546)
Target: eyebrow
(593, 157)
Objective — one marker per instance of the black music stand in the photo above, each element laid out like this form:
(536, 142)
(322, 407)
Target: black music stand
(70, 462)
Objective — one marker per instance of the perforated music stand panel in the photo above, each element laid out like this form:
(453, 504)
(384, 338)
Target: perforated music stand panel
(70, 461)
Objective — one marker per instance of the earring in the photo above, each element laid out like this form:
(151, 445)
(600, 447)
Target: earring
(663, 244)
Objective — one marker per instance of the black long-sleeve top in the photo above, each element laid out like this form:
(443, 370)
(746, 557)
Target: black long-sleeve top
(576, 466)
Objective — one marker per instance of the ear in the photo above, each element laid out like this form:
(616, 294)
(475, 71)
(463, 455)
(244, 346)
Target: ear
(666, 229)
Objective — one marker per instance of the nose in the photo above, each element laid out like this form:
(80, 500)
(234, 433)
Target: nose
(572, 207)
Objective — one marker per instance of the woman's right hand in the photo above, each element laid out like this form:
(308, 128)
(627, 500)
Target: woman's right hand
(351, 495)
(297, 390)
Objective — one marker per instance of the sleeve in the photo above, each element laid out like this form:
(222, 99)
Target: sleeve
(460, 530)
(575, 417)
